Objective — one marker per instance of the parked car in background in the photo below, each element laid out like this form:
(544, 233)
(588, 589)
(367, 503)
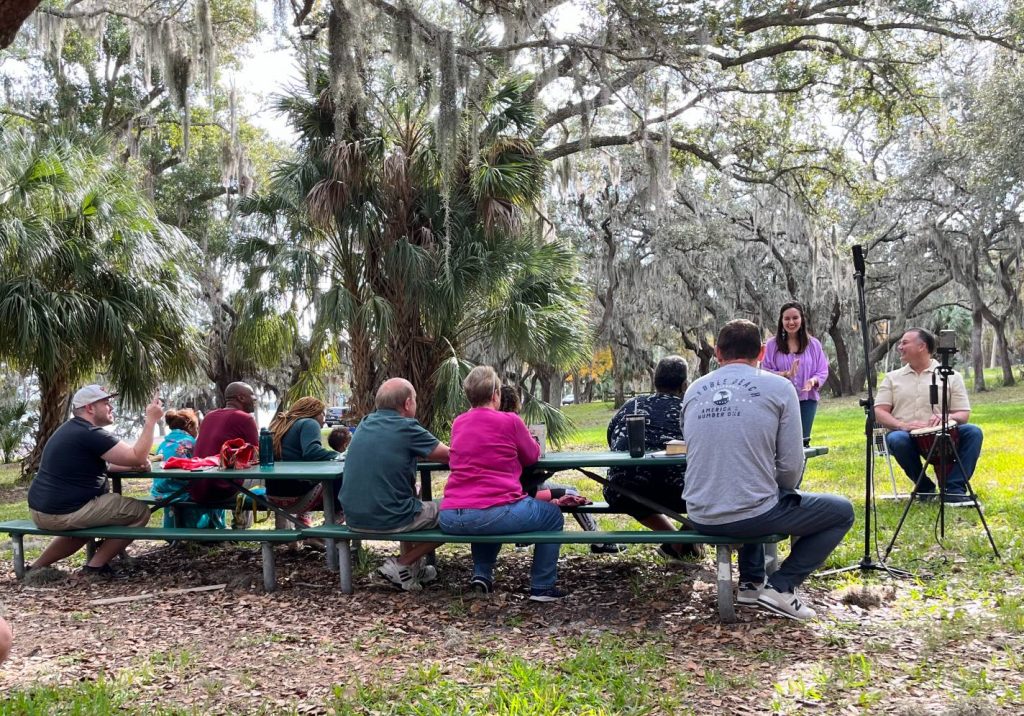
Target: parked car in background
(568, 399)
(334, 415)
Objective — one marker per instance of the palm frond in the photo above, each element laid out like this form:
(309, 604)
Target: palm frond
(560, 426)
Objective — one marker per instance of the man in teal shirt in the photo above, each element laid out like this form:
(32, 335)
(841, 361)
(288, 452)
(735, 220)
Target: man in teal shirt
(378, 492)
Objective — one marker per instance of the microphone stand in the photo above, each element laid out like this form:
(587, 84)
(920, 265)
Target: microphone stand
(866, 563)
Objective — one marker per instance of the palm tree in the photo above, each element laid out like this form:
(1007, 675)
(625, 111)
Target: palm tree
(90, 278)
(424, 257)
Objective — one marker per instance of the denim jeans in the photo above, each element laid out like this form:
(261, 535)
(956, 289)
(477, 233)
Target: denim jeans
(525, 515)
(903, 447)
(808, 409)
(820, 521)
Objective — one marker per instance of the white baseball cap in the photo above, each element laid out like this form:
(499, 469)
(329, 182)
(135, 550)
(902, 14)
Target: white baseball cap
(89, 395)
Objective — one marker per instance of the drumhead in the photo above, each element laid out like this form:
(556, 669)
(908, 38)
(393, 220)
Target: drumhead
(934, 429)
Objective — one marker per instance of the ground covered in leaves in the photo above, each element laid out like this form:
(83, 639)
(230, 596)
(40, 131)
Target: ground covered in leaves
(635, 636)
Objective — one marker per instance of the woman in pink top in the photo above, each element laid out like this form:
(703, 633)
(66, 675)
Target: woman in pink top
(483, 495)
(797, 355)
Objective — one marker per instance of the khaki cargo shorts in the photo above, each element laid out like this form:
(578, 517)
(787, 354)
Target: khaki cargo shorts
(425, 519)
(108, 509)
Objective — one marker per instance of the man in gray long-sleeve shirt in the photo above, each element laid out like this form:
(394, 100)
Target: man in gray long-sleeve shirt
(745, 456)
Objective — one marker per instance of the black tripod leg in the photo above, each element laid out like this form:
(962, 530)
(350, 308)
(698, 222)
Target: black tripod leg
(899, 526)
(977, 505)
(910, 502)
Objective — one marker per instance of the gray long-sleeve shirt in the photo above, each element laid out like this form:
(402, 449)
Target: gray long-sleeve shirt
(744, 443)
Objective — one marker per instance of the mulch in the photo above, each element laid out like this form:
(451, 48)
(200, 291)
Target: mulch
(239, 650)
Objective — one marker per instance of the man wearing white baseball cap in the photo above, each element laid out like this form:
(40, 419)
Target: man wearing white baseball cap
(71, 490)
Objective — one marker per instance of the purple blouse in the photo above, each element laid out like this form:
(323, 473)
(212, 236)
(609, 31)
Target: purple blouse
(813, 364)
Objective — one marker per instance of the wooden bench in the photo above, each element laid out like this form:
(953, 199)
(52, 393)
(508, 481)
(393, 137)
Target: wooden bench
(19, 528)
(343, 537)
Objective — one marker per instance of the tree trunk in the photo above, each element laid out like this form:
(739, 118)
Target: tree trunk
(1002, 348)
(977, 357)
(839, 379)
(364, 373)
(844, 382)
(546, 377)
(12, 14)
(53, 407)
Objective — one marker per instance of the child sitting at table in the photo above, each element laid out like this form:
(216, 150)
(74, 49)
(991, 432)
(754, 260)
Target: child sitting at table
(339, 438)
(180, 442)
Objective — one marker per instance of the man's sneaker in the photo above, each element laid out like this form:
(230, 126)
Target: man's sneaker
(927, 496)
(480, 586)
(958, 500)
(748, 592)
(785, 604)
(607, 548)
(399, 575)
(426, 573)
(551, 594)
(685, 553)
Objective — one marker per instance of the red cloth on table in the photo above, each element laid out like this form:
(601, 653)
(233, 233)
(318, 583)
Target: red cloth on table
(190, 463)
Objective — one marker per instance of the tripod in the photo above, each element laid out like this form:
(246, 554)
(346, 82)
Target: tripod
(943, 455)
(866, 562)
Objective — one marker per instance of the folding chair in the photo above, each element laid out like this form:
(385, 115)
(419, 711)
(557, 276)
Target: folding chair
(881, 452)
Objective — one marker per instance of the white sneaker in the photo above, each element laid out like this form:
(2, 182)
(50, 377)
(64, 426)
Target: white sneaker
(748, 592)
(785, 604)
(399, 575)
(425, 573)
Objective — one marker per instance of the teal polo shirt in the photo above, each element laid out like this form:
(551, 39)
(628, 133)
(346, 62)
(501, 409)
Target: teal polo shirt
(378, 491)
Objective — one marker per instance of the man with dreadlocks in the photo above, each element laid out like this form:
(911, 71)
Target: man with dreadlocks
(296, 434)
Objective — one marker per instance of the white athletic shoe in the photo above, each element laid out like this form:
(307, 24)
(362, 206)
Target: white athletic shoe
(785, 604)
(748, 592)
(399, 575)
(425, 573)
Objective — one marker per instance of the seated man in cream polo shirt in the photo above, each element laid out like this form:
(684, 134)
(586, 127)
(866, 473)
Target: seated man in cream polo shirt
(903, 405)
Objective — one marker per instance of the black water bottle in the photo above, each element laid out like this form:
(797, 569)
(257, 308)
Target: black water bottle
(636, 427)
(266, 449)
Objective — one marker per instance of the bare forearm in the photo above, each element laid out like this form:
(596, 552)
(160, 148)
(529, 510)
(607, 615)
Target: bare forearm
(144, 443)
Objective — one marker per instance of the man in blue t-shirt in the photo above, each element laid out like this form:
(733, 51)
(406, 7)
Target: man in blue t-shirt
(378, 492)
(71, 491)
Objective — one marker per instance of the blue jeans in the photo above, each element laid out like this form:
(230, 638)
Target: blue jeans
(905, 450)
(820, 521)
(808, 409)
(525, 515)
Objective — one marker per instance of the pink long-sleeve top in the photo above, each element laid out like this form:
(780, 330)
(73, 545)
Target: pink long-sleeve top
(813, 364)
(488, 452)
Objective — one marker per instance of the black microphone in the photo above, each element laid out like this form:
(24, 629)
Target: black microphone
(858, 259)
(933, 392)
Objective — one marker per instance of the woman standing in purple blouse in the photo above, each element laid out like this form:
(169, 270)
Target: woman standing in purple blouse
(795, 354)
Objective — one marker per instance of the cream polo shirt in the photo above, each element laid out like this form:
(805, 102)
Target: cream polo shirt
(906, 392)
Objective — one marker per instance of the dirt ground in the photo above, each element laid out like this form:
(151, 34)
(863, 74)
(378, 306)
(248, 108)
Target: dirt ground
(236, 649)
